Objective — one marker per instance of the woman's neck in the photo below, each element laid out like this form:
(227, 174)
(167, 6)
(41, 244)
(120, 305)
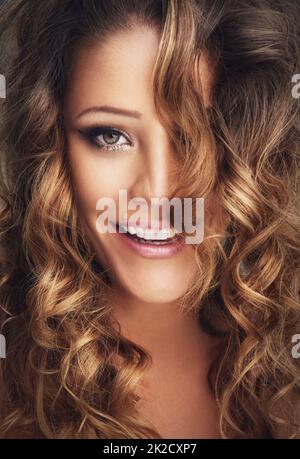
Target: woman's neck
(169, 335)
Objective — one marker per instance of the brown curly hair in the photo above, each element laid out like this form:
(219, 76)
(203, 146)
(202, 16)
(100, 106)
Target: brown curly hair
(60, 378)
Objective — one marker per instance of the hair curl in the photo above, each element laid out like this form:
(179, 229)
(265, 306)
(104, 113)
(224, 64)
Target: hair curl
(61, 378)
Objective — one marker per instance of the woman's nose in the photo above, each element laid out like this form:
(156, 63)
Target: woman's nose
(155, 169)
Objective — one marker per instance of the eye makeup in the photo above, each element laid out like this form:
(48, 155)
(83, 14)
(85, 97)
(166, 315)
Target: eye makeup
(105, 138)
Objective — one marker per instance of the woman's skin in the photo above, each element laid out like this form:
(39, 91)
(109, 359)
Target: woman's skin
(174, 392)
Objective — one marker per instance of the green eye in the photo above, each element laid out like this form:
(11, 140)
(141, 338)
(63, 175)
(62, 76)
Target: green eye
(106, 138)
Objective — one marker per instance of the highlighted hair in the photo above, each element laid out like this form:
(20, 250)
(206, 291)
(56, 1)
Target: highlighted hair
(69, 372)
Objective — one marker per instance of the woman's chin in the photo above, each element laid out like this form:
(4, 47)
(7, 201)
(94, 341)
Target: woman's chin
(155, 296)
(159, 296)
(161, 280)
(155, 287)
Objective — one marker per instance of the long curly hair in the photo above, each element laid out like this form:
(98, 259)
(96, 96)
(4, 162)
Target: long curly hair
(69, 372)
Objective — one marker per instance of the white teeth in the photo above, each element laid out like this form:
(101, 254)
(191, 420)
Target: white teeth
(149, 234)
(171, 233)
(161, 235)
(153, 235)
(140, 232)
(132, 230)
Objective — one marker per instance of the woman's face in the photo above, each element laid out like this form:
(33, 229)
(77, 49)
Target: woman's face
(117, 74)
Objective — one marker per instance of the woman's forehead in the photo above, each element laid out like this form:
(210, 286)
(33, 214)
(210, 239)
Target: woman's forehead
(120, 70)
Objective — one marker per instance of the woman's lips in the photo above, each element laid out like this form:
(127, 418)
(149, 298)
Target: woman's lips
(160, 249)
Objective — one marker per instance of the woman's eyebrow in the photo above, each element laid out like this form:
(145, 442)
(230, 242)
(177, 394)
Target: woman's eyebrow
(115, 110)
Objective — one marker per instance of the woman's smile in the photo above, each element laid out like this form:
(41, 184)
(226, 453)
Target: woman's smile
(151, 244)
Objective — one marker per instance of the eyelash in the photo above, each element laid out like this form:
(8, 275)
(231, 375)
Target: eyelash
(91, 133)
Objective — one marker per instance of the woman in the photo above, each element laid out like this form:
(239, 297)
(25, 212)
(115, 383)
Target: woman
(115, 335)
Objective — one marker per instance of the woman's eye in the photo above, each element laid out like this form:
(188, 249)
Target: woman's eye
(106, 138)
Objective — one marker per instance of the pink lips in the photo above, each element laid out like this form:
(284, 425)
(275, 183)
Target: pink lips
(149, 250)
